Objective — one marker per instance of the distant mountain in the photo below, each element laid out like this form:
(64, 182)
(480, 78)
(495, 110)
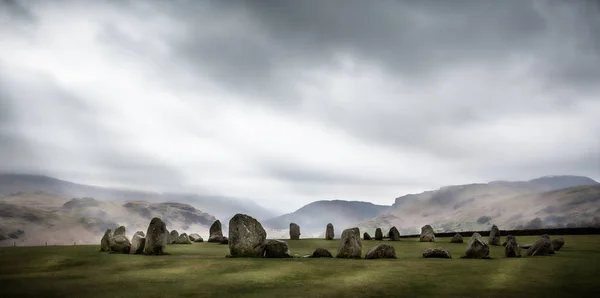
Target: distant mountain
(37, 218)
(221, 207)
(511, 204)
(314, 217)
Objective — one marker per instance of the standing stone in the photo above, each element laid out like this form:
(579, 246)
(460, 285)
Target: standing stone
(381, 251)
(194, 237)
(457, 238)
(321, 253)
(246, 236)
(557, 244)
(173, 237)
(119, 243)
(183, 239)
(350, 244)
(494, 236)
(329, 232)
(427, 234)
(394, 234)
(378, 234)
(477, 248)
(277, 249)
(138, 241)
(216, 232)
(437, 253)
(294, 231)
(508, 238)
(512, 249)
(156, 237)
(366, 236)
(541, 247)
(105, 241)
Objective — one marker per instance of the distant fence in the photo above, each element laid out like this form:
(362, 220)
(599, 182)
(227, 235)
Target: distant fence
(558, 231)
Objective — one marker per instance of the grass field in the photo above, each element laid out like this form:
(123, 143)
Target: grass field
(201, 270)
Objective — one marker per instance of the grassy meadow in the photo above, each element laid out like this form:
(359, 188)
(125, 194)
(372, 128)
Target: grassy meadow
(201, 270)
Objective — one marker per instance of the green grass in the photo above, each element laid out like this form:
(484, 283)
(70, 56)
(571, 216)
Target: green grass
(201, 270)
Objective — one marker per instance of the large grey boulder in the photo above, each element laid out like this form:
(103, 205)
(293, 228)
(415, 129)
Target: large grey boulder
(294, 231)
(381, 251)
(494, 236)
(477, 248)
(105, 241)
(119, 231)
(457, 238)
(366, 236)
(120, 244)
(215, 232)
(427, 234)
(378, 234)
(321, 253)
(508, 238)
(183, 239)
(394, 234)
(277, 249)
(173, 236)
(541, 247)
(247, 237)
(196, 238)
(156, 237)
(437, 252)
(557, 243)
(512, 249)
(329, 232)
(350, 244)
(138, 241)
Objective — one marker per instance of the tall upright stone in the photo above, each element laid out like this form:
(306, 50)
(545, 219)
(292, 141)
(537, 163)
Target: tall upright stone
(350, 244)
(477, 248)
(156, 237)
(105, 241)
(494, 236)
(512, 249)
(329, 232)
(394, 234)
(119, 243)
(173, 236)
(247, 237)
(294, 231)
(138, 241)
(427, 234)
(216, 232)
(119, 231)
(378, 234)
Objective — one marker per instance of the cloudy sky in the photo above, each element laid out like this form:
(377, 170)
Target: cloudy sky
(287, 102)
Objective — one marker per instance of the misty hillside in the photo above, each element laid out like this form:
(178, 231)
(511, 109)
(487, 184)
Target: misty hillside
(551, 201)
(314, 217)
(38, 218)
(221, 207)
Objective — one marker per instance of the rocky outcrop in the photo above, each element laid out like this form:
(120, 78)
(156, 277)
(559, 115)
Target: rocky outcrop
(216, 232)
(350, 244)
(457, 238)
(156, 237)
(378, 234)
(138, 241)
(541, 247)
(477, 248)
(381, 251)
(427, 234)
(512, 249)
(329, 232)
(366, 236)
(394, 234)
(247, 237)
(437, 253)
(294, 231)
(494, 236)
(557, 243)
(105, 241)
(321, 253)
(277, 249)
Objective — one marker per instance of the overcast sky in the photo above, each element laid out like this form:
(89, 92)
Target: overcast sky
(287, 102)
